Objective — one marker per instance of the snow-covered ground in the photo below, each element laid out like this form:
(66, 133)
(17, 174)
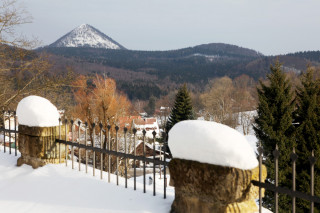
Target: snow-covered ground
(57, 188)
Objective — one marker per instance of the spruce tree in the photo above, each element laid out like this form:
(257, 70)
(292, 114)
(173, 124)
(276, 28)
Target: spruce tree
(182, 109)
(307, 120)
(151, 107)
(274, 125)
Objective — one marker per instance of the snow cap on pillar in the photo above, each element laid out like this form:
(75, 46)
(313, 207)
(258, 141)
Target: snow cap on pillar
(35, 111)
(211, 142)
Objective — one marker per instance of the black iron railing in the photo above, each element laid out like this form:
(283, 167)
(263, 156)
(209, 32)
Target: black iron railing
(283, 190)
(9, 131)
(112, 150)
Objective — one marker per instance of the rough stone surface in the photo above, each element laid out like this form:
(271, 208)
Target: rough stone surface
(37, 146)
(201, 187)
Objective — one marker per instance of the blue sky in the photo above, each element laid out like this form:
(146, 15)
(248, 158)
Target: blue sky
(268, 26)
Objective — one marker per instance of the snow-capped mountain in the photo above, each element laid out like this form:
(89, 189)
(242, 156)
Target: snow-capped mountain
(86, 36)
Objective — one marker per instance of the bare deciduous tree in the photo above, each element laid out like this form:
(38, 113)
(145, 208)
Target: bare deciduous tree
(100, 102)
(226, 101)
(22, 71)
(218, 100)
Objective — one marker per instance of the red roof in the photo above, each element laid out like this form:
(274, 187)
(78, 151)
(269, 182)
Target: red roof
(127, 121)
(145, 121)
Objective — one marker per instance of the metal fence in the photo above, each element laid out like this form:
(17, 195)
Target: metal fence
(283, 190)
(9, 141)
(9, 131)
(10, 134)
(107, 153)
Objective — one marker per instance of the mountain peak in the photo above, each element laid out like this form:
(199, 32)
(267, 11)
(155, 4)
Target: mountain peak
(86, 36)
(84, 25)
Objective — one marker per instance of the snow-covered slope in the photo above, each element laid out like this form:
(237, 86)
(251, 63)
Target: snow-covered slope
(86, 36)
(57, 188)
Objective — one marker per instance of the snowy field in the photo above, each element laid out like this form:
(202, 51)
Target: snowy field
(57, 188)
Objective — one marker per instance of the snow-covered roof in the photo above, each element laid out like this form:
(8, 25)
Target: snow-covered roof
(148, 145)
(211, 142)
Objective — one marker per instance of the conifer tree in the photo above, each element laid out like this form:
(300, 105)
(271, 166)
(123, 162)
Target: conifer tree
(274, 125)
(151, 107)
(307, 120)
(182, 109)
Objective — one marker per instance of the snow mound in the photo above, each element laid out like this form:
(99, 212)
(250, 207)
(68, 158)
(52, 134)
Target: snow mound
(37, 111)
(211, 142)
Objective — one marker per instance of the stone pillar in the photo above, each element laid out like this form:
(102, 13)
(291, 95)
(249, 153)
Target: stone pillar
(202, 187)
(37, 145)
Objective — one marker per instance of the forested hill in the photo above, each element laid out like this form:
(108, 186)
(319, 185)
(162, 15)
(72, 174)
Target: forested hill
(193, 64)
(309, 55)
(213, 49)
(161, 71)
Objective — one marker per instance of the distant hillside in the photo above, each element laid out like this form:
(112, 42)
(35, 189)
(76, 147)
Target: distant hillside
(144, 73)
(313, 56)
(193, 64)
(215, 49)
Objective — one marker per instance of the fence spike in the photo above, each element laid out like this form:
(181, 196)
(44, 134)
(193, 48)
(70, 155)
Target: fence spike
(260, 150)
(79, 149)
(86, 143)
(4, 130)
(101, 154)
(117, 150)
(164, 170)
(66, 138)
(134, 161)
(94, 152)
(312, 160)
(125, 158)
(9, 114)
(144, 161)
(109, 157)
(276, 196)
(293, 157)
(59, 139)
(154, 163)
(72, 140)
(15, 132)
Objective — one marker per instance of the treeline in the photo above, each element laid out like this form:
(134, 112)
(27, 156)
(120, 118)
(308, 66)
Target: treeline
(310, 55)
(169, 69)
(140, 91)
(191, 65)
(288, 117)
(206, 49)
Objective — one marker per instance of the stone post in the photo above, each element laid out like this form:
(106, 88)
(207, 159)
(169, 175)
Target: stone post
(212, 169)
(202, 187)
(37, 146)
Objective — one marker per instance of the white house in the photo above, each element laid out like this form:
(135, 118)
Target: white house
(148, 124)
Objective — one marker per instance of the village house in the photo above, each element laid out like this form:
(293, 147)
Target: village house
(127, 121)
(148, 124)
(149, 150)
(159, 153)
